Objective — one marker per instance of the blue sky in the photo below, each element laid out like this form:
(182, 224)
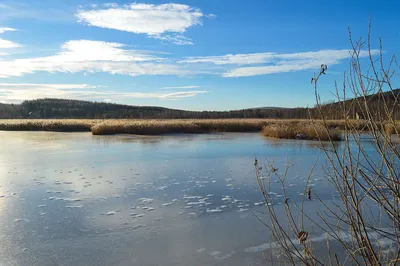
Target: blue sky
(188, 54)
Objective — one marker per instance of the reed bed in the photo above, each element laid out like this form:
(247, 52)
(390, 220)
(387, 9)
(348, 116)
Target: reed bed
(270, 127)
(56, 125)
(159, 127)
(301, 130)
(356, 125)
(391, 128)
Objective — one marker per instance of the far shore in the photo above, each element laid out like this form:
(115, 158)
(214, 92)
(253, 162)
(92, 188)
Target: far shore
(284, 128)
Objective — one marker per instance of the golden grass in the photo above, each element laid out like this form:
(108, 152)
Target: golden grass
(391, 128)
(301, 130)
(158, 127)
(272, 127)
(57, 125)
(358, 125)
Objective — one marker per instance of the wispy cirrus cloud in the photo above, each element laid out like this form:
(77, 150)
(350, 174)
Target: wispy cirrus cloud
(53, 86)
(4, 29)
(91, 57)
(262, 58)
(86, 56)
(270, 63)
(17, 92)
(180, 87)
(47, 11)
(232, 59)
(166, 22)
(6, 44)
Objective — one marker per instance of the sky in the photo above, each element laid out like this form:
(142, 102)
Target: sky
(187, 54)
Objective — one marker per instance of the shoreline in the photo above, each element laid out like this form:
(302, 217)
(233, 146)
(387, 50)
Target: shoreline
(169, 126)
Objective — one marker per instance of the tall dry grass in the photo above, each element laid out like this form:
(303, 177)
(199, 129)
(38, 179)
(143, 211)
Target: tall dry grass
(392, 128)
(57, 125)
(159, 127)
(273, 127)
(301, 130)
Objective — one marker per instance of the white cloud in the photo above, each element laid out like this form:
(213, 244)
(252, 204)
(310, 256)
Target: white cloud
(4, 29)
(92, 56)
(180, 87)
(166, 22)
(174, 38)
(85, 50)
(262, 58)
(270, 63)
(5, 44)
(33, 86)
(17, 92)
(179, 94)
(230, 59)
(265, 70)
(211, 16)
(85, 56)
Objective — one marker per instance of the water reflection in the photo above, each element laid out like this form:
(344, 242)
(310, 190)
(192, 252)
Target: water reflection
(166, 200)
(298, 144)
(174, 138)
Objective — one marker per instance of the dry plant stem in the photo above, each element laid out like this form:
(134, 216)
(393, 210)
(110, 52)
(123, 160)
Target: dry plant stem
(367, 182)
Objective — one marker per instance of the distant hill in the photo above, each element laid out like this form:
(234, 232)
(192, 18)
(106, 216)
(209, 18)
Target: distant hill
(267, 108)
(355, 107)
(10, 110)
(63, 108)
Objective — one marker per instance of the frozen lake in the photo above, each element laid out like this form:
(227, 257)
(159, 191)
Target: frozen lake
(78, 199)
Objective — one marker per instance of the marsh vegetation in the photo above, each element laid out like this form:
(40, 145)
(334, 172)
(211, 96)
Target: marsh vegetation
(275, 128)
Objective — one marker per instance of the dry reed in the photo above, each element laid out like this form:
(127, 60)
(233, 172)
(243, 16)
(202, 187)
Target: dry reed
(301, 130)
(272, 127)
(57, 125)
(158, 127)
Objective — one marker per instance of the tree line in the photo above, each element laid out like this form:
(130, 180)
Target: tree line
(63, 108)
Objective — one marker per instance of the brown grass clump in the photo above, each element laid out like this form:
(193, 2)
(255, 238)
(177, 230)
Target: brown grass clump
(300, 130)
(391, 128)
(275, 127)
(56, 125)
(159, 127)
(176, 126)
(358, 125)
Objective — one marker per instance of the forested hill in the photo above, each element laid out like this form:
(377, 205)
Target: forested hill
(60, 108)
(378, 103)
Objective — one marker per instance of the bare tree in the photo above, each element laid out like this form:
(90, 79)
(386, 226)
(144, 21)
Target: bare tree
(361, 224)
